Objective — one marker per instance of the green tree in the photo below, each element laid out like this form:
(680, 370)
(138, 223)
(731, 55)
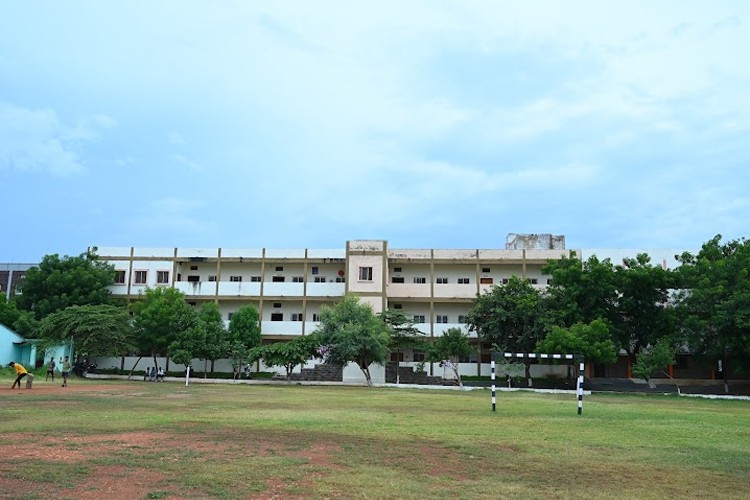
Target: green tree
(189, 343)
(353, 333)
(58, 283)
(449, 348)
(159, 316)
(593, 342)
(403, 334)
(287, 354)
(643, 313)
(100, 330)
(579, 292)
(244, 335)
(656, 358)
(22, 322)
(509, 317)
(715, 303)
(217, 342)
(244, 327)
(239, 355)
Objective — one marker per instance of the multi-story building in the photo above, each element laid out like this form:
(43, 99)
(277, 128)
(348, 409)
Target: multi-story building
(11, 277)
(433, 287)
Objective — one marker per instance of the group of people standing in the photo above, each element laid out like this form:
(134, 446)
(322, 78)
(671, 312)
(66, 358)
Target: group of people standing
(153, 374)
(22, 372)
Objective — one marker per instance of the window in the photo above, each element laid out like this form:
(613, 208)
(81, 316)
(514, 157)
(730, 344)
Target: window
(365, 274)
(211, 277)
(119, 277)
(277, 304)
(162, 277)
(278, 279)
(485, 281)
(229, 316)
(194, 278)
(298, 279)
(316, 317)
(296, 316)
(140, 277)
(255, 279)
(397, 279)
(462, 319)
(418, 356)
(442, 281)
(193, 268)
(419, 318)
(314, 270)
(505, 281)
(235, 278)
(396, 269)
(464, 281)
(397, 356)
(420, 280)
(277, 317)
(549, 281)
(192, 304)
(533, 281)
(320, 279)
(398, 306)
(340, 279)
(279, 268)
(441, 319)
(485, 269)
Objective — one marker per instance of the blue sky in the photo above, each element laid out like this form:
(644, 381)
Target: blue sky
(441, 124)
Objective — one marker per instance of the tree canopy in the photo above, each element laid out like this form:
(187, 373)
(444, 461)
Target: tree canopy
(100, 330)
(353, 333)
(159, 315)
(715, 302)
(642, 312)
(287, 354)
(22, 322)
(58, 283)
(592, 341)
(244, 327)
(508, 316)
(449, 348)
(579, 292)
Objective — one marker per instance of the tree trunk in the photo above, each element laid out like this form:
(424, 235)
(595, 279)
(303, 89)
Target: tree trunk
(679, 393)
(368, 378)
(527, 367)
(132, 369)
(458, 375)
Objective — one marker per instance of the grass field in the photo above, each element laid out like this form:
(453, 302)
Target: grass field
(99, 439)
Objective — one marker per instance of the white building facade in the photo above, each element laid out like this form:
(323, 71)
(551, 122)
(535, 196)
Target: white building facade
(433, 287)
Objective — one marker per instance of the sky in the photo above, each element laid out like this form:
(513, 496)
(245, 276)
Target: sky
(430, 124)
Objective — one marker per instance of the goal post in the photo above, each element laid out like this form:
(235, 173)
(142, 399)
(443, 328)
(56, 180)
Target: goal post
(572, 358)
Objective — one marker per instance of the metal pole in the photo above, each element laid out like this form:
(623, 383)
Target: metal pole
(579, 389)
(492, 376)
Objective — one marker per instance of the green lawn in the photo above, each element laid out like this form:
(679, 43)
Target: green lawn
(164, 440)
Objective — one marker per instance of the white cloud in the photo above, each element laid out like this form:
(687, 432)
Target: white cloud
(36, 141)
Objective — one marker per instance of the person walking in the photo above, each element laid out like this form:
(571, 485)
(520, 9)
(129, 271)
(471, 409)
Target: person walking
(20, 372)
(50, 370)
(65, 371)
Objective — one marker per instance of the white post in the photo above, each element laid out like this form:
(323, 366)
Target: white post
(187, 375)
(492, 364)
(580, 388)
